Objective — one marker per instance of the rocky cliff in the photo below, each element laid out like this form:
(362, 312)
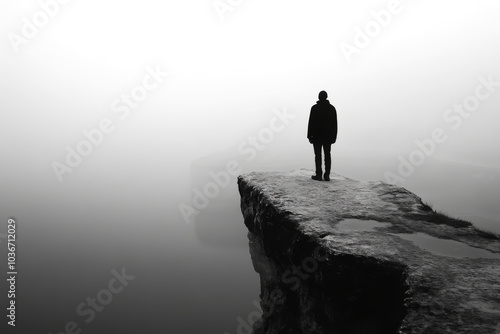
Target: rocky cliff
(365, 257)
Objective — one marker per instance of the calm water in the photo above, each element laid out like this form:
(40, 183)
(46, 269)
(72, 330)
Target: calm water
(189, 278)
(425, 241)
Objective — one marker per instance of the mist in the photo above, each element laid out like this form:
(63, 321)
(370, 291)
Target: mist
(171, 91)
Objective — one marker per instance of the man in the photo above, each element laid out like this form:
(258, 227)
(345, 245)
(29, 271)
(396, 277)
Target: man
(322, 133)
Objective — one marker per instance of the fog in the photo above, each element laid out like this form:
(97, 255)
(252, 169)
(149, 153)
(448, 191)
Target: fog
(217, 87)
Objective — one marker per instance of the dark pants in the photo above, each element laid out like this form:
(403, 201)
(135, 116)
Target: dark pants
(328, 158)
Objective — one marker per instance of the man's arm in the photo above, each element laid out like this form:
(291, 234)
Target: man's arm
(334, 125)
(310, 126)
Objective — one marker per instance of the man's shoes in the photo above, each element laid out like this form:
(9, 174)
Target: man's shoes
(317, 177)
(326, 177)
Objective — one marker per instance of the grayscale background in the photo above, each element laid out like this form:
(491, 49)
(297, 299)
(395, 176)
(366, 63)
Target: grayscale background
(228, 76)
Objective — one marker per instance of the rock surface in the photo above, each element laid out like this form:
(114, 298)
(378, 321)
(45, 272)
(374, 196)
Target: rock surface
(317, 277)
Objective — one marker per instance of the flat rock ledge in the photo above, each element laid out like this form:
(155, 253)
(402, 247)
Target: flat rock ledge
(319, 277)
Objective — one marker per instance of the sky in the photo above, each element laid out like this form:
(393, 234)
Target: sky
(156, 94)
(225, 76)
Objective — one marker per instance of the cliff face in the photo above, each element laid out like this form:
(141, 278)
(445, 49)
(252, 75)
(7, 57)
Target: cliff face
(334, 257)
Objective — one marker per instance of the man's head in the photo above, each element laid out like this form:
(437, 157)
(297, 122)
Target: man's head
(322, 95)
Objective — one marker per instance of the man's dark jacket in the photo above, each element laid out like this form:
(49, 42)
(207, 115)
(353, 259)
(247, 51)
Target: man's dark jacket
(322, 128)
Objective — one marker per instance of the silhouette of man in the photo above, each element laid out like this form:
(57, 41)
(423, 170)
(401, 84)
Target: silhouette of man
(322, 133)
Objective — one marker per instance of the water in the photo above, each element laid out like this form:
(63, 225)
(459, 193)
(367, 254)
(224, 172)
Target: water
(427, 242)
(445, 247)
(189, 278)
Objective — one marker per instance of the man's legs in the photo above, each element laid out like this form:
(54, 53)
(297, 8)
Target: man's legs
(328, 160)
(317, 159)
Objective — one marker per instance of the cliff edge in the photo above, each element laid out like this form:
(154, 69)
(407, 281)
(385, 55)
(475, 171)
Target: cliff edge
(365, 257)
